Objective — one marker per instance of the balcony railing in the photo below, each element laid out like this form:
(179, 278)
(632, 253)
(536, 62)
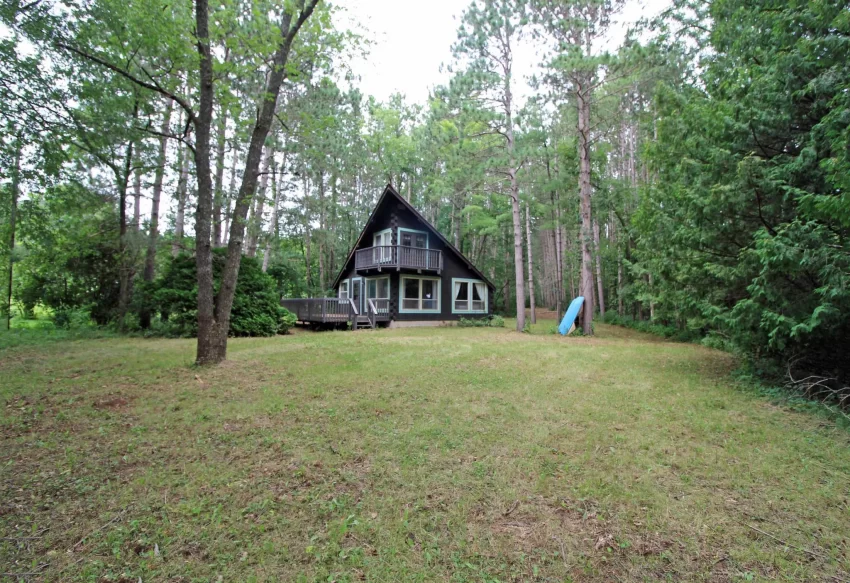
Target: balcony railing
(398, 257)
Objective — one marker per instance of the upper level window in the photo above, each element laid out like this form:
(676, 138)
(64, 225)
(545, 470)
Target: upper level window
(469, 295)
(416, 239)
(420, 294)
(381, 243)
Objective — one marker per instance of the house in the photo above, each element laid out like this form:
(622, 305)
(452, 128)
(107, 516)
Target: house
(401, 272)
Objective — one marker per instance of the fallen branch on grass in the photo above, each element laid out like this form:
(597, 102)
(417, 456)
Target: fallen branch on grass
(787, 544)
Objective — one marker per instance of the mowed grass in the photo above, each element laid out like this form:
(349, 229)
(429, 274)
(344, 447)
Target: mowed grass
(429, 454)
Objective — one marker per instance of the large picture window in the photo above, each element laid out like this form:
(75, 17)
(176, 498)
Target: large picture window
(420, 294)
(469, 296)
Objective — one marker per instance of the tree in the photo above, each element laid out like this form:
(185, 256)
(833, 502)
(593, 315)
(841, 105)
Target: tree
(574, 25)
(489, 29)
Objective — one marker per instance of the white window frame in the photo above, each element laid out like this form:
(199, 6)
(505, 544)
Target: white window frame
(469, 300)
(401, 298)
(382, 255)
(369, 279)
(347, 285)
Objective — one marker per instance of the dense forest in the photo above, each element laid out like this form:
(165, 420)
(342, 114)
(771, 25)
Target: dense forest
(155, 155)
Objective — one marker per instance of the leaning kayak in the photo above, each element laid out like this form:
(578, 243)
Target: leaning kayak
(570, 316)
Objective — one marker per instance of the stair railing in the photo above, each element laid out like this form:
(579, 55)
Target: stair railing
(373, 313)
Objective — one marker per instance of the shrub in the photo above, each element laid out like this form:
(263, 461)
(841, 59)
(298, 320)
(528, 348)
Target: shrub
(286, 320)
(256, 306)
(494, 321)
(72, 318)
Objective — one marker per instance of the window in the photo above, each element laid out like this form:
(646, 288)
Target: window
(469, 295)
(378, 290)
(381, 241)
(420, 294)
(343, 289)
(418, 239)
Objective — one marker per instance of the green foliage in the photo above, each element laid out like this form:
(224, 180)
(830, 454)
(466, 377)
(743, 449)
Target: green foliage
(68, 259)
(745, 230)
(256, 305)
(494, 321)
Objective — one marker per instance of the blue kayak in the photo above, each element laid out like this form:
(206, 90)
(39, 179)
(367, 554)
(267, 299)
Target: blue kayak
(570, 316)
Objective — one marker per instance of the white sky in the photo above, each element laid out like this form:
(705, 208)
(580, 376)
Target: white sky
(412, 38)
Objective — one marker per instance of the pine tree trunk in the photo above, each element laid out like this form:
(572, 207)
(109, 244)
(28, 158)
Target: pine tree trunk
(126, 268)
(153, 228)
(273, 227)
(182, 195)
(231, 191)
(600, 289)
(583, 127)
(255, 225)
(530, 266)
(13, 214)
(218, 200)
(322, 231)
(137, 193)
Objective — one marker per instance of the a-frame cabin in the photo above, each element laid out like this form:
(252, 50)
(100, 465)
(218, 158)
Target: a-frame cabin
(401, 271)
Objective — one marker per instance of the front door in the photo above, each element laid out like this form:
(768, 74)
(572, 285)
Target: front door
(357, 293)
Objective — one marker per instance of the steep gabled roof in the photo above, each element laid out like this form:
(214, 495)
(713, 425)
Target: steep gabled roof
(389, 191)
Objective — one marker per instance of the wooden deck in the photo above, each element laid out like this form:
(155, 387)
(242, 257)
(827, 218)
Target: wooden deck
(335, 311)
(398, 257)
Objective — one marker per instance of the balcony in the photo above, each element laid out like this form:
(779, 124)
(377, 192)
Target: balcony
(398, 257)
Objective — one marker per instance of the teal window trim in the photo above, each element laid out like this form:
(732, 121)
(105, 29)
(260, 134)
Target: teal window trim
(403, 310)
(366, 281)
(427, 235)
(471, 282)
(347, 288)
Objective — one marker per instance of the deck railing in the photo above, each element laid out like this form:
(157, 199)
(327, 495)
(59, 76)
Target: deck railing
(324, 310)
(398, 256)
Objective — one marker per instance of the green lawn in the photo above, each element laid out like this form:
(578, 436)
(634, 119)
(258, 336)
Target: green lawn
(411, 455)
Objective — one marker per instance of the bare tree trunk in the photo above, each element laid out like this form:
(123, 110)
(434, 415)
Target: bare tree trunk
(182, 190)
(218, 199)
(153, 233)
(530, 266)
(137, 193)
(583, 127)
(307, 235)
(322, 231)
(651, 301)
(600, 290)
(126, 268)
(212, 344)
(13, 213)
(331, 251)
(556, 215)
(255, 225)
(559, 258)
(276, 190)
(230, 191)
